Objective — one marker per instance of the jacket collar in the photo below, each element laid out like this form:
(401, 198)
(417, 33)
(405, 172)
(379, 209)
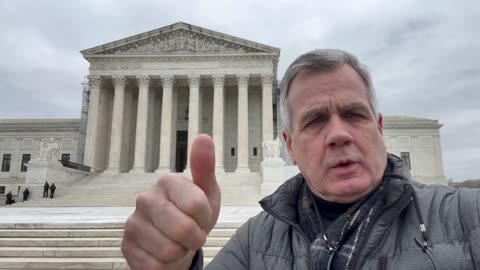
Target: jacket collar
(283, 202)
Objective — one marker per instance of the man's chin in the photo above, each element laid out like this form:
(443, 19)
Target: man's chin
(351, 190)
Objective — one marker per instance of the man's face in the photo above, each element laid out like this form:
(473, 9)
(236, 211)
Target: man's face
(335, 139)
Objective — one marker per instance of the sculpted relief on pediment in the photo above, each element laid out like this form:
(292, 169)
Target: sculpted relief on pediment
(181, 41)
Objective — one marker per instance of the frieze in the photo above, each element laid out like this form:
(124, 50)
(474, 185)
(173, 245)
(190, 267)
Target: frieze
(181, 41)
(136, 63)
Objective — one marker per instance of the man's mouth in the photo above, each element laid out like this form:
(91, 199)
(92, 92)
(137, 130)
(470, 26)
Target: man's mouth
(343, 163)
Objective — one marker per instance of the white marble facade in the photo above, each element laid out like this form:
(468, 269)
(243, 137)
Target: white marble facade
(151, 94)
(19, 137)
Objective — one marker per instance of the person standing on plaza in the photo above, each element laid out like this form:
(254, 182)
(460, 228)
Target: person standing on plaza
(45, 190)
(26, 192)
(52, 190)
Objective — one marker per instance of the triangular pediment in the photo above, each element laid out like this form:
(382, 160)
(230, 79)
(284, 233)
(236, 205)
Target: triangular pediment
(180, 38)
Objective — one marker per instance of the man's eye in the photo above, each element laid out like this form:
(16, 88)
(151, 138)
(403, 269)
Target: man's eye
(318, 120)
(353, 115)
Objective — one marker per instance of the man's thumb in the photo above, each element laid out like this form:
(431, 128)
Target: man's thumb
(202, 165)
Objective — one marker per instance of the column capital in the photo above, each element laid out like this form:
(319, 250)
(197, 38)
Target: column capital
(168, 80)
(94, 81)
(242, 79)
(218, 79)
(119, 81)
(267, 78)
(194, 80)
(143, 80)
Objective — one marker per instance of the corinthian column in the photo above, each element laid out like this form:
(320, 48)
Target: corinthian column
(142, 121)
(267, 111)
(166, 128)
(193, 112)
(242, 145)
(218, 130)
(95, 84)
(117, 125)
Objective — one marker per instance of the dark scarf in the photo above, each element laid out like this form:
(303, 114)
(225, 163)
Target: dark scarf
(344, 234)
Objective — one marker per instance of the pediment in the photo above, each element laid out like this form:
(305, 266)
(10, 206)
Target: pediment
(180, 38)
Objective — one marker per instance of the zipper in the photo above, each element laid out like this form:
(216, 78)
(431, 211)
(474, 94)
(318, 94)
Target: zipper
(295, 226)
(375, 219)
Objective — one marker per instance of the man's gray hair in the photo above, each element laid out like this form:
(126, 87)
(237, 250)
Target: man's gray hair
(323, 60)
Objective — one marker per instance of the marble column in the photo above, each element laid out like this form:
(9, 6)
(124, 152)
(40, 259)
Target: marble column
(218, 129)
(267, 108)
(193, 112)
(167, 125)
(95, 85)
(242, 137)
(116, 149)
(142, 121)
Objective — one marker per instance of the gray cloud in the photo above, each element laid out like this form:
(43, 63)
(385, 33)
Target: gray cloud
(423, 54)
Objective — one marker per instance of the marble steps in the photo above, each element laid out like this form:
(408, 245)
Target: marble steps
(60, 252)
(106, 189)
(80, 245)
(50, 233)
(63, 263)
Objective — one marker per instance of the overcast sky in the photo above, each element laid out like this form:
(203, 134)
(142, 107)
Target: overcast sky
(424, 55)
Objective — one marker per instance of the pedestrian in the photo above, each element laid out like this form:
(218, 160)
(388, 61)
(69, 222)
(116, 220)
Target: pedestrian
(26, 192)
(352, 206)
(45, 190)
(9, 199)
(52, 190)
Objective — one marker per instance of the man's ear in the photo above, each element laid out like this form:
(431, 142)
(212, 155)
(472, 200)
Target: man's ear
(288, 142)
(380, 123)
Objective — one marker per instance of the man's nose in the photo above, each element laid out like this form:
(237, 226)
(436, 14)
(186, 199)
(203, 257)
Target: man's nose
(338, 133)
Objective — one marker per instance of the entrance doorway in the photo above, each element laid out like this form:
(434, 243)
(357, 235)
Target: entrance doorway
(181, 151)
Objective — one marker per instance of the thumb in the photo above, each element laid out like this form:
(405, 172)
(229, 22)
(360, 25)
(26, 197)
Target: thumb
(202, 165)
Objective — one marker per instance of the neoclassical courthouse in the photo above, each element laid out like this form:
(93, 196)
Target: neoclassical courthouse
(150, 94)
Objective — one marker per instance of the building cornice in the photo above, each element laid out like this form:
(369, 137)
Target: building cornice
(45, 125)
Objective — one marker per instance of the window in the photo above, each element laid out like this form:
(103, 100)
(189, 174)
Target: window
(406, 158)
(66, 157)
(232, 151)
(2, 190)
(25, 160)
(254, 151)
(6, 162)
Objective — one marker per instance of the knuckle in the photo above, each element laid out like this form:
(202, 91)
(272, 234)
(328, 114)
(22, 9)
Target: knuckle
(144, 201)
(130, 226)
(197, 202)
(164, 180)
(183, 230)
(172, 253)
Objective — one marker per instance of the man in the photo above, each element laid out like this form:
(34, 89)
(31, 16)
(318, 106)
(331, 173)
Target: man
(45, 190)
(26, 192)
(353, 206)
(52, 190)
(9, 198)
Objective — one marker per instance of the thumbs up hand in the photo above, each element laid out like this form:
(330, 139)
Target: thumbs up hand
(171, 221)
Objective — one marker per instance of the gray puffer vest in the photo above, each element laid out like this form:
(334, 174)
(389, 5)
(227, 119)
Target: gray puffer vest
(273, 239)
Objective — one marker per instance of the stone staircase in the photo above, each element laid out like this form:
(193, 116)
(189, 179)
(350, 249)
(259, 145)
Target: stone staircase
(122, 189)
(79, 246)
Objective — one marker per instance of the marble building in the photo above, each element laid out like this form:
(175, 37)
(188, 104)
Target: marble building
(152, 93)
